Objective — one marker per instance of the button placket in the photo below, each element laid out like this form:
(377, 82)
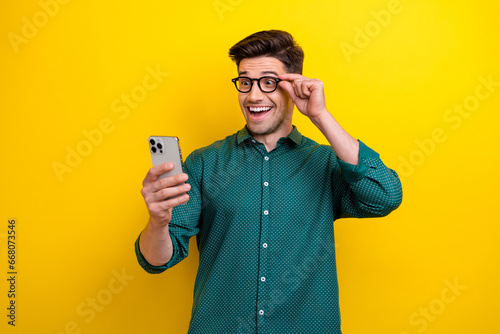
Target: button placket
(263, 284)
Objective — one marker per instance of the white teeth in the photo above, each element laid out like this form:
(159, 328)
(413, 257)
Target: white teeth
(259, 109)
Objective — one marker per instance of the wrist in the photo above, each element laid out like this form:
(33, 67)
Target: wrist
(158, 226)
(321, 119)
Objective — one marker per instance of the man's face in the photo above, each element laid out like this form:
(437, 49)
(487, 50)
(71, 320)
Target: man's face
(265, 113)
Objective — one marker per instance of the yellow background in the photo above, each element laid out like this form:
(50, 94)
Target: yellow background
(76, 231)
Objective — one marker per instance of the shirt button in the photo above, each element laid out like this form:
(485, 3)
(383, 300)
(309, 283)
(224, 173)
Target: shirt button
(264, 245)
(261, 312)
(266, 212)
(253, 141)
(266, 184)
(266, 158)
(263, 279)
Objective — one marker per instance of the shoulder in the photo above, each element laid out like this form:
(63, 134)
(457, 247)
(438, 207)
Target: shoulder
(211, 151)
(317, 149)
(216, 147)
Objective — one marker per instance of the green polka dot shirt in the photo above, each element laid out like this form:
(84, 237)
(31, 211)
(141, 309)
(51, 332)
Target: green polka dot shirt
(263, 223)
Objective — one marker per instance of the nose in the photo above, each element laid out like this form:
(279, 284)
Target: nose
(255, 94)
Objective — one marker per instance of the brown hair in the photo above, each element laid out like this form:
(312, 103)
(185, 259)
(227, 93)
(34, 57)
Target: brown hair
(271, 43)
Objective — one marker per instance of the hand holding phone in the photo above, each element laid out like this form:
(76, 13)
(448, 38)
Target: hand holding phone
(161, 197)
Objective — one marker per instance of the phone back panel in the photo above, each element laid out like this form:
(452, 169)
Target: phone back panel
(166, 149)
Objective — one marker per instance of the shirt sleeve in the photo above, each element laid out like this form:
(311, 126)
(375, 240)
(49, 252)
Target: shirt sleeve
(371, 188)
(184, 223)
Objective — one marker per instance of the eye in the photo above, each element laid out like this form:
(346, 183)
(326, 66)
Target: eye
(269, 82)
(244, 82)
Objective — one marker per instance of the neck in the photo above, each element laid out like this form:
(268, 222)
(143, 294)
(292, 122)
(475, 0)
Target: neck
(271, 140)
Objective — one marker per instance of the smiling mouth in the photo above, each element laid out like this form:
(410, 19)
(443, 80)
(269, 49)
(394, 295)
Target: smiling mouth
(257, 110)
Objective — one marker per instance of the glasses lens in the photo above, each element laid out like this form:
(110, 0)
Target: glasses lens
(268, 84)
(244, 84)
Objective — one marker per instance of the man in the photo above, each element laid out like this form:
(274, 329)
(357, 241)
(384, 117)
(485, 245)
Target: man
(262, 203)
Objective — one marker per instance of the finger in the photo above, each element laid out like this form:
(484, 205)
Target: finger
(159, 207)
(149, 189)
(288, 87)
(169, 181)
(156, 171)
(167, 193)
(305, 89)
(163, 210)
(291, 76)
(300, 89)
(173, 202)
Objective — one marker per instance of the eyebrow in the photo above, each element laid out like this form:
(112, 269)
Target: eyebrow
(264, 72)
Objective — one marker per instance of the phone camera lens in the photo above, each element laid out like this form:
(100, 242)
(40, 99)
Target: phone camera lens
(160, 146)
(152, 141)
(161, 151)
(153, 149)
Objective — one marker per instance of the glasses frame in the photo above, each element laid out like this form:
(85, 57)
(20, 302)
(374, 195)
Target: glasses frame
(235, 81)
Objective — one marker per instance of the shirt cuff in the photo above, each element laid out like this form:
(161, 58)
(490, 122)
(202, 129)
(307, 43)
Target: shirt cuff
(149, 267)
(353, 173)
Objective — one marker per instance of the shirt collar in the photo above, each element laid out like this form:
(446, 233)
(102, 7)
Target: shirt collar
(294, 136)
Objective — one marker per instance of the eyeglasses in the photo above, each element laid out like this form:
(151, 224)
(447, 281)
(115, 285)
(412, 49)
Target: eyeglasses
(266, 84)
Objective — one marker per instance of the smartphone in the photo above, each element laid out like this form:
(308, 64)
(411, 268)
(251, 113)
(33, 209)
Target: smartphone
(166, 149)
